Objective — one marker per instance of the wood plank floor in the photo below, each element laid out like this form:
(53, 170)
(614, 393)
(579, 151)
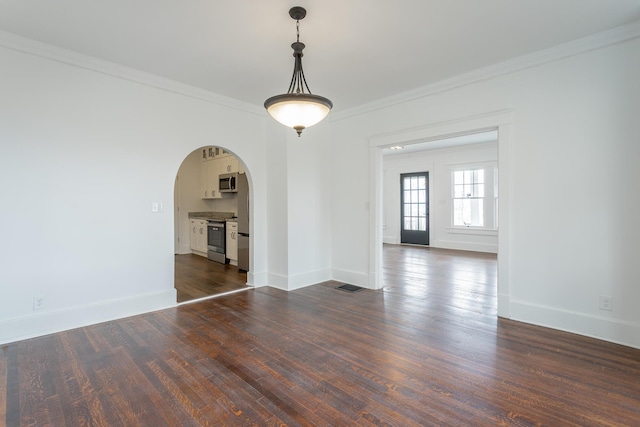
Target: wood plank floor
(426, 350)
(197, 277)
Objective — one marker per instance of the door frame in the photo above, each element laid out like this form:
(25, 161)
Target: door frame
(500, 121)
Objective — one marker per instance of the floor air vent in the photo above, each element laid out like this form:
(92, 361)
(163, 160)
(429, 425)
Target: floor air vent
(350, 288)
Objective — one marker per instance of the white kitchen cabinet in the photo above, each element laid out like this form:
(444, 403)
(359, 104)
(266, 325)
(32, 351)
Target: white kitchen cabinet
(232, 242)
(208, 153)
(209, 179)
(214, 179)
(205, 187)
(198, 236)
(222, 153)
(228, 164)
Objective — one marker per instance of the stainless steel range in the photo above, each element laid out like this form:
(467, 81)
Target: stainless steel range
(216, 235)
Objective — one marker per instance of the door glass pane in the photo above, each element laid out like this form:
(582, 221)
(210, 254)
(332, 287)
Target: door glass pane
(414, 208)
(422, 182)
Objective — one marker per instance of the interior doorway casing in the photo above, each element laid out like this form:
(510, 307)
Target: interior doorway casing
(500, 121)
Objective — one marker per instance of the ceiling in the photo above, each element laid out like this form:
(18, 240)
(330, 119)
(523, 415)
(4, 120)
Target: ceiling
(358, 51)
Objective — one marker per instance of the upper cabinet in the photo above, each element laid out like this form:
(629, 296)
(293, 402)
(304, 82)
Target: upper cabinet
(209, 183)
(228, 164)
(211, 153)
(215, 161)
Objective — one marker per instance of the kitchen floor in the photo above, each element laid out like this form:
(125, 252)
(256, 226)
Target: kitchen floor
(197, 277)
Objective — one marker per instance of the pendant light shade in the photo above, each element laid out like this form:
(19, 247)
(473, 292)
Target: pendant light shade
(298, 109)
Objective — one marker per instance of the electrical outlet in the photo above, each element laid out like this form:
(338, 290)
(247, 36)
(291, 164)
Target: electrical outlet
(38, 302)
(606, 303)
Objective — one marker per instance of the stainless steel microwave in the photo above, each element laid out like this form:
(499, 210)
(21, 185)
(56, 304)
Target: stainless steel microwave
(228, 182)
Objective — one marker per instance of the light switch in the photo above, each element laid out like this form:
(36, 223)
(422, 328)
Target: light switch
(156, 207)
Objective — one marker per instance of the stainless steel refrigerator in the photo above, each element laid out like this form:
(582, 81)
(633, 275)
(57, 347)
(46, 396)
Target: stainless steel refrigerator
(242, 186)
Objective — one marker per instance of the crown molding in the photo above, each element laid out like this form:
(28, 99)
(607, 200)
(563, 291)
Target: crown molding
(25, 45)
(565, 50)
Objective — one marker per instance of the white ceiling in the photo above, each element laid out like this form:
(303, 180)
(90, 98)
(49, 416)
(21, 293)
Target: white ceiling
(358, 51)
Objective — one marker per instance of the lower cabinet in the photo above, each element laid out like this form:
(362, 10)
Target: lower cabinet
(198, 236)
(232, 242)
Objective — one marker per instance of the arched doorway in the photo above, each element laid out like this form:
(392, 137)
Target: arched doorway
(211, 196)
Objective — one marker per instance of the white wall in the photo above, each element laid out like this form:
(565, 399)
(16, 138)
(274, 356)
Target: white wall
(299, 208)
(309, 222)
(277, 209)
(572, 168)
(439, 164)
(84, 155)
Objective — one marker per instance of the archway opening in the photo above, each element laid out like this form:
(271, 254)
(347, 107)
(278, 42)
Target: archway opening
(211, 225)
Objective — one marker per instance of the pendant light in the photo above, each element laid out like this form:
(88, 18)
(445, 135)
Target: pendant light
(298, 109)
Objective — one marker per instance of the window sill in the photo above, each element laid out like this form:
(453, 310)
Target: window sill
(474, 231)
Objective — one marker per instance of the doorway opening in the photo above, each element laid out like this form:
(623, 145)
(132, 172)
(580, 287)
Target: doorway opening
(414, 205)
(211, 224)
(433, 136)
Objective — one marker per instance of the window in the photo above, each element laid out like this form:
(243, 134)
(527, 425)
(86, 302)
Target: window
(468, 198)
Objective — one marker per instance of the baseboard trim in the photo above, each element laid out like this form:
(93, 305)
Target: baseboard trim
(504, 309)
(607, 329)
(298, 281)
(278, 281)
(391, 240)
(45, 323)
(351, 277)
(257, 280)
(303, 280)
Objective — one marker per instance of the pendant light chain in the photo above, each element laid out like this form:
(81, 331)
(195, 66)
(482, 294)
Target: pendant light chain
(298, 80)
(297, 68)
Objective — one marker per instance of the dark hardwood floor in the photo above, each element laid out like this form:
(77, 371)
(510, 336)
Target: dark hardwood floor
(426, 350)
(197, 277)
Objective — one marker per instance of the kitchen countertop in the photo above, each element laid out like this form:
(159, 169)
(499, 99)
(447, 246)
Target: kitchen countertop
(221, 216)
